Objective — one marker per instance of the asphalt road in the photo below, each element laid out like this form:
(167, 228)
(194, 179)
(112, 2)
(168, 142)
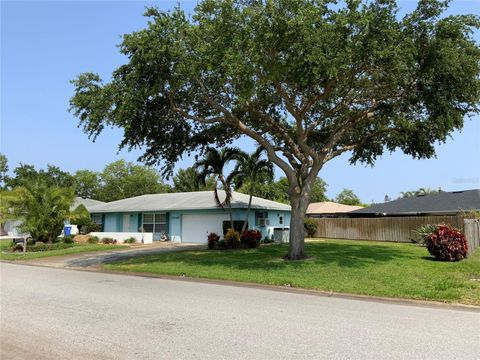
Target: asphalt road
(49, 313)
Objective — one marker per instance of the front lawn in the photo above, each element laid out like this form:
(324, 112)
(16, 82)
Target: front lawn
(357, 267)
(77, 248)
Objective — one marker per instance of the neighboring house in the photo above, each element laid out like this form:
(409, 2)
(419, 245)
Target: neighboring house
(186, 217)
(442, 203)
(327, 209)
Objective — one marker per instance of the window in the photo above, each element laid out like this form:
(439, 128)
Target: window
(261, 218)
(155, 223)
(97, 219)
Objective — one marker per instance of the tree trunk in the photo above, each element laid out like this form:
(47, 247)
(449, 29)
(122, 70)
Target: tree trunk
(248, 209)
(231, 215)
(299, 202)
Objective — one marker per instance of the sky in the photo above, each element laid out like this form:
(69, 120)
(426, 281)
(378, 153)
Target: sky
(44, 45)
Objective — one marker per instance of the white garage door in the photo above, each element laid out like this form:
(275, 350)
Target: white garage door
(195, 228)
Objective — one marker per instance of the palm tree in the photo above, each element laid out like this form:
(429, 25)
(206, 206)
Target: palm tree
(250, 168)
(213, 164)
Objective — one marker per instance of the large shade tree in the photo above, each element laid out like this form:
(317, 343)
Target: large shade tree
(307, 80)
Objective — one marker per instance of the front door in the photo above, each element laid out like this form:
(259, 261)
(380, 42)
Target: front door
(126, 222)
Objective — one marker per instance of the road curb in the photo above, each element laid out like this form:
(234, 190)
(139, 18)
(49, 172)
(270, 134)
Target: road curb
(277, 288)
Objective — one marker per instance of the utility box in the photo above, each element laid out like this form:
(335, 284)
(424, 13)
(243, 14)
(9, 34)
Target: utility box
(281, 235)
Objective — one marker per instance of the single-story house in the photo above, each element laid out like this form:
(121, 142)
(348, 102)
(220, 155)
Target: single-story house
(185, 217)
(327, 209)
(88, 203)
(441, 203)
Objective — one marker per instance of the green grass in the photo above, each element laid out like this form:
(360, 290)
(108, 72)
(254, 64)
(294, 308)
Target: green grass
(357, 267)
(77, 248)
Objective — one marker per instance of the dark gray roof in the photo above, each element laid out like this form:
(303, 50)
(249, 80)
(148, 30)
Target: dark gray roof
(199, 200)
(443, 202)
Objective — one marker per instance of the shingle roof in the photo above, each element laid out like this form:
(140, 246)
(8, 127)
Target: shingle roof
(330, 207)
(443, 202)
(88, 203)
(199, 200)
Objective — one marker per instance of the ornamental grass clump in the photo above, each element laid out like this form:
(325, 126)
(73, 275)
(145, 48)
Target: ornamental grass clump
(447, 244)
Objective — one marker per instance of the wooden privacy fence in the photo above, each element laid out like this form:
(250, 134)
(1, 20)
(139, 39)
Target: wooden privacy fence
(472, 233)
(397, 229)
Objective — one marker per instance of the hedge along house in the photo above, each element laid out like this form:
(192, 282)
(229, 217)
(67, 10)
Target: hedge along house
(185, 217)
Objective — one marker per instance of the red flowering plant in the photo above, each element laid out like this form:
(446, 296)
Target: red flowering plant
(447, 244)
(250, 238)
(212, 240)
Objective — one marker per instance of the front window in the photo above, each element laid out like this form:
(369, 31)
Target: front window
(97, 219)
(155, 223)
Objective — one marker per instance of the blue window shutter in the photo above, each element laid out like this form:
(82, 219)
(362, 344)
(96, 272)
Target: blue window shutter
(139, 221)
(103, 222)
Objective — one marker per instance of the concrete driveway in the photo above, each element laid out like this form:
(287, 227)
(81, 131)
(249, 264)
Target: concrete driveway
(94, 261)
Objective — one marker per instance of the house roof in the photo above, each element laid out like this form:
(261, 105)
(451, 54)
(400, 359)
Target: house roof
(330, 207)
(199, 200)
(88, 203)
(442, 202)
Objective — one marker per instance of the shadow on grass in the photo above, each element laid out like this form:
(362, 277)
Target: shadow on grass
(270, 257)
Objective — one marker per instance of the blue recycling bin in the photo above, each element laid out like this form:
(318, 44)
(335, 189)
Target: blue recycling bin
(67, 230)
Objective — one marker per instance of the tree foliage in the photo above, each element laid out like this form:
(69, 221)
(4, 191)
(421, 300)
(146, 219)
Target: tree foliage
(419, 192)
(42, 208)
(186, 180)
(307, 80)
(51, 176)
(87, 184)
(3, 169)
(121, 180)
(348, 197)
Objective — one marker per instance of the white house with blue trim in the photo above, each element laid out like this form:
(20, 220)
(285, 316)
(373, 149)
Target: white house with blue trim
(185, 217)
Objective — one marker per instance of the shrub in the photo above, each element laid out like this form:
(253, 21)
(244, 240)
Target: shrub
(222, 245)
(107, 240)
(40, 246)
(213, 239)
(237, 226)
(267, 240)
(421, 233)
(93, 240)
(447, 244)
(68, 239)
(232, 239)
(250, 238)
(130, 240)
(310, 227)
(91, 228)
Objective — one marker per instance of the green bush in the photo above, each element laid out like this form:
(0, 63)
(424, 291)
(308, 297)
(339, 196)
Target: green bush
(267, 240)
(93, 240)
(222, 245)
(237, 226)
(87, 229)
(232, 239)
(130, 240)
(107, 240)
(310, 227)
(68, 239)
(39, 246)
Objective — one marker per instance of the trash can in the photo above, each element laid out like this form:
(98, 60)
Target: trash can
(281, 235)
(67, 230)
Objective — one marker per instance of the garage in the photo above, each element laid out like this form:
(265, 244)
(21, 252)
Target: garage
(196, 227)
